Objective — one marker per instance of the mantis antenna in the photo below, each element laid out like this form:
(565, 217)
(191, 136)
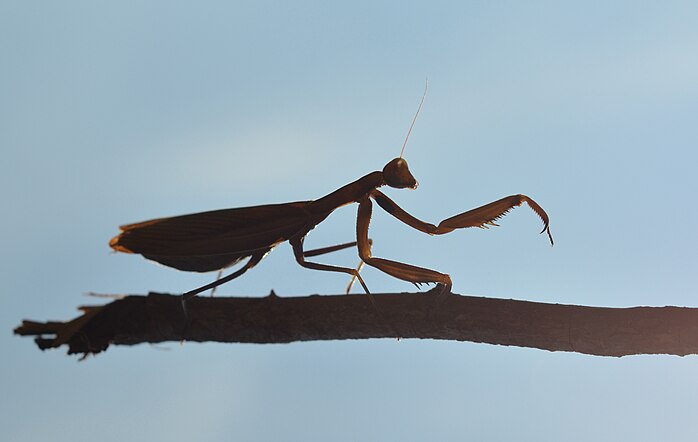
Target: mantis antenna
(426, 86)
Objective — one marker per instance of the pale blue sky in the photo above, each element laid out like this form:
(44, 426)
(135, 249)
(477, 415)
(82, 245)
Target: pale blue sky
(113, 113)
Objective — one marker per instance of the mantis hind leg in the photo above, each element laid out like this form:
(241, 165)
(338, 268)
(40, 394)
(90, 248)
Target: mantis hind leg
(406, 272)
(218, 276)
(253, 261)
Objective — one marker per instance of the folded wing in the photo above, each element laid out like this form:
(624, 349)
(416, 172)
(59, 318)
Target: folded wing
(213, 240)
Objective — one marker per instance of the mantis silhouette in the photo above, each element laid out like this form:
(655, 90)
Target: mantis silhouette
(215, 240)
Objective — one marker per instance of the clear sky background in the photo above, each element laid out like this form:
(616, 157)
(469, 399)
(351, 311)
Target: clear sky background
(113, 113)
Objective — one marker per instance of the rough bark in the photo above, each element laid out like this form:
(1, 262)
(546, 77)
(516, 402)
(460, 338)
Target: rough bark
(159, 317)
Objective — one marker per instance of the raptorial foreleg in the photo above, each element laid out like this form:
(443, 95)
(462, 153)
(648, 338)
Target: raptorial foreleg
(481, 217)
(406, 272)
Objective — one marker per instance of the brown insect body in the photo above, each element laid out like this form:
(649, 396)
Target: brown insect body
(215, 240)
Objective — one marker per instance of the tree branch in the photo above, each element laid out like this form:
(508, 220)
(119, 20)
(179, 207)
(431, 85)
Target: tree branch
(555, 327)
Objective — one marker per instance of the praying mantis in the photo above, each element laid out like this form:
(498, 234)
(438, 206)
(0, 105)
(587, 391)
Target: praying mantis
(215, 240)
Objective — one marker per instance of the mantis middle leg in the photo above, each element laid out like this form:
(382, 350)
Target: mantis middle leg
(297, 244)
(322, 251)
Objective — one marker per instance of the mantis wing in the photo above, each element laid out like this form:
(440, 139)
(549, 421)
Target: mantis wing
(212, 240)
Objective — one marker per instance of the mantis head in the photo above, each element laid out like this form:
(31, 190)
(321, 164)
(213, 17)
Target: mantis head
(396, 174)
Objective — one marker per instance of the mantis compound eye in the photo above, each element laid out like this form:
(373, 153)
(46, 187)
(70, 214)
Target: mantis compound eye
(396, 174)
